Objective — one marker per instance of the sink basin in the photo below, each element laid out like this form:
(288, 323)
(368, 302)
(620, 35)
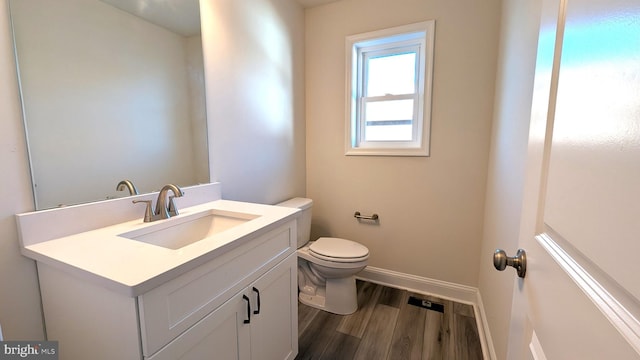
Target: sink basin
(181, 231)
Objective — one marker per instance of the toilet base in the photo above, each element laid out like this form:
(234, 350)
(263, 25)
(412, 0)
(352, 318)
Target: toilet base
(340, 296)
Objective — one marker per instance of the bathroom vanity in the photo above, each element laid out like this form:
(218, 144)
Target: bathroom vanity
(128, 291)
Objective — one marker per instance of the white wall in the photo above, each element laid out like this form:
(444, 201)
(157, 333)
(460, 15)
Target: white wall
(431, 209)
(514, 89)
(255, 97)
(20, 314)
(256, 111)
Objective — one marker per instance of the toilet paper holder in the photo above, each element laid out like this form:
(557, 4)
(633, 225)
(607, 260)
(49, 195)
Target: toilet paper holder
(359, 216)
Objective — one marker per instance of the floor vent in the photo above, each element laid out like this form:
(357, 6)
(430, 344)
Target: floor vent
(426, 304)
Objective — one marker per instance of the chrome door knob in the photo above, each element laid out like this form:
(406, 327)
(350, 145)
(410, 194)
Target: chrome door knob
(519, 262)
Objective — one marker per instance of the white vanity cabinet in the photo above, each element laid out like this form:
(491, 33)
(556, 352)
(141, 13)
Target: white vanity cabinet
(245, 327)
(201, 314)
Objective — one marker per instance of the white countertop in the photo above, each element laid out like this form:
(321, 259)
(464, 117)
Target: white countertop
(133, 267)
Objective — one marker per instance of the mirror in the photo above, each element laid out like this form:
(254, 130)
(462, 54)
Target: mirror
(111, 90)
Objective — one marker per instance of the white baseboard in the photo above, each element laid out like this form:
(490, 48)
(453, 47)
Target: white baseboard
(446, 290)
(488, 351)
(442, 289)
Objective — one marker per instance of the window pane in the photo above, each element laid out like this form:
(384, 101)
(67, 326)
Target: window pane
(389, 120)
(392, 74)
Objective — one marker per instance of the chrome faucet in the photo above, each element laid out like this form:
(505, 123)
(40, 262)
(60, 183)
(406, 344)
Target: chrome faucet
(127, 184)
(163, 209)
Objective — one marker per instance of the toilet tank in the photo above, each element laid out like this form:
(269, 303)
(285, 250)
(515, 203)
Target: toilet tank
(304, 217)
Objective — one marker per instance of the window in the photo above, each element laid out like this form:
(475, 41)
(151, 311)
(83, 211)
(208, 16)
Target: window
(389, 91)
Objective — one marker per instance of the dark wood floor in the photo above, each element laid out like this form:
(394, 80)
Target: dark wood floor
(387, 327)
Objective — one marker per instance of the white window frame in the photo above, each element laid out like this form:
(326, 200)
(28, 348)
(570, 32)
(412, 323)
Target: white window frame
(418, 37)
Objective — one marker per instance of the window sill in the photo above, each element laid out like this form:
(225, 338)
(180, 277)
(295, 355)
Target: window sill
(387, 152)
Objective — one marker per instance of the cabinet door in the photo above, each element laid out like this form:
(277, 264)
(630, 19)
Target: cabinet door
(274, 323)
(221, 335)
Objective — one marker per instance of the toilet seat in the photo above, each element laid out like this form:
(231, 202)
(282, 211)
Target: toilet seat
(338, 250)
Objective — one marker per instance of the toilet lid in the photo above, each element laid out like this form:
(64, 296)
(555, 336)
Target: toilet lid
(337, 249)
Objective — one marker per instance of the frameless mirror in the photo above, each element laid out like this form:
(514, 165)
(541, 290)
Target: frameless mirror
(111, 90)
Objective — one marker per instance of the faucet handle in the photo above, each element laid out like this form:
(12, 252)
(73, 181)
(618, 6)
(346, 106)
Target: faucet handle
(148, 215)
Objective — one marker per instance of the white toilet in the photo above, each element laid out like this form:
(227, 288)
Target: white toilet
(327, 266)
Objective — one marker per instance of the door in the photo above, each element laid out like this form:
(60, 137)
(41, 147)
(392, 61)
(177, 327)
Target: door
(580, 223)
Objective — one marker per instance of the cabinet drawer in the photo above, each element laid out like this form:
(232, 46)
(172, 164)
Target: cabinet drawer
(170, 309)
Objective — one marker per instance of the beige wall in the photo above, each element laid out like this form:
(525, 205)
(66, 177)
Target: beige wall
(431, 209)
(20, 315)
(255, 98)
(256, 131)
(505, 182)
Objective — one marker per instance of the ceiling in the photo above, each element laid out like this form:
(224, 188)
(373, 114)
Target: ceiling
(180, 16)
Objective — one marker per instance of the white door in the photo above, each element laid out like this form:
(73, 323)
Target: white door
(580, 225)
